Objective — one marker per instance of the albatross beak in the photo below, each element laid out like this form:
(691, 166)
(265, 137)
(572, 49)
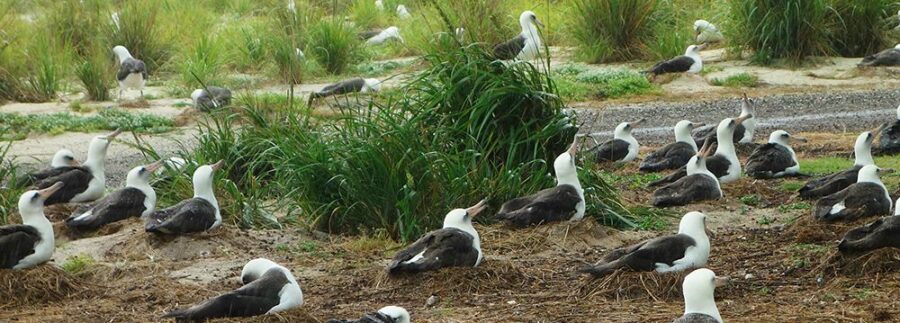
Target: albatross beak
(74, 163)
(477, 208)
(877, 131)
(882, 171)
(573, 149)
(721, 281)
(740, 119)
(114, 134)
(636, 123)
(538, 22)
(702, 46)
(218, 165)
(45, 193)
(798, 138)
(154, 166)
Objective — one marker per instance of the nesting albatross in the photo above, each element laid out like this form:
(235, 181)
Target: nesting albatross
(889, 140)
(862, 151)
(867, 197)
(347, 86)
(883, 233)
(211, 98)
(83, 183)
(197, 214)
(457, 244)
(31, 243)
(724, 164)
(622, 148)
(525, 46)
(887, 57)
(136, 199)
(267, 288)
(699, 184)
(699, 297)
(743, 133)
(707, 32)
(62, 159)
(132, 72)
(690, 62)
(563, 202)
(673, 155)
(379, 37)
(774, 159)
(387, 314)
(687, 249)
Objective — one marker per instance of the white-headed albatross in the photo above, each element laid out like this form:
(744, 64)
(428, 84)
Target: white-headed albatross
(132, 72)
(706, 32)
(672, 253)
(382, 36)
(699, 184)
(699, 297)
(622, 148)
(724, 164)
(197, 214)
(402, 12)
(889, 140)
(830, 184)
(387, 314)
(867, 197)
(887, 57)
(776, 158)
(31, 243)
(84, 183)
(62, 159)
(563, 202)
(673, 155)
(744, 131)
(883, 233)
(136, 199)
(211, 98)
(267, 288)
(525, 46)
(457, 244)
(690, 62)
(347, 86)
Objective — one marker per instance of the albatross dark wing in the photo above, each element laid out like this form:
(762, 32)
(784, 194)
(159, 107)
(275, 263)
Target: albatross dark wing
(549, 205)
(131, 66)
(509, 49)
(887, 57)
(829, 184)
(860, 200)
(369, 318)
(704, 132)
(255, 298)
(676, 65)
(447, 247)
(76, 180)
(883, 233)
(644, 256)
(613, 150)
(768, 160)
(670, 156)
(121, 204)
(889, 140)
(696, 318)
(189, 216)
(686, 190)
(214, 97)
(342, 87)
(17, 241)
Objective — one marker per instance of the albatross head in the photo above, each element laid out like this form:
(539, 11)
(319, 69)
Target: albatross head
(683, 131)
(196, 95)
(898, 107)
(399, 314)
(694, 225)
(862, 149)
(623, 130)
(63, 158)
(701, 25)
(694, 50)
(897, 47)
(393, 32)
(97, 149)
(203, 181)
(783, 138)
(462, 218)
(698, 288)
(122, 53)
(373, 85)
(140, 176)
(697, 163)
(528, 20)
(725, 130)
(255, 268)
(564, 166)
(872, 174)
(31, 203)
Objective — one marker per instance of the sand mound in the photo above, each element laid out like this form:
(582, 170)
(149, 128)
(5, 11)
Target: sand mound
(225, 241)
(41, 284)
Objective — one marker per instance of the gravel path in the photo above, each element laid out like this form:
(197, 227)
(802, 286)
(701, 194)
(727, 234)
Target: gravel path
(821, 112)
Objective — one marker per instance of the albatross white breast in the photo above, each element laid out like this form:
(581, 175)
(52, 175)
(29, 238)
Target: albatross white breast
(673, 155)
(525, 46)
(82, 183)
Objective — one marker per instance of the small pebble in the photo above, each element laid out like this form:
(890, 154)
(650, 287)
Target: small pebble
(433, 299)
(748, 276)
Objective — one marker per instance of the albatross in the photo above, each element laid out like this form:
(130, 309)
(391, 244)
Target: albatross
(622, 148)
(707, 32)
(862, 151)
(563, 202)
(31, 243)
(699, 184)
(197, 214)
(83, 183)
(387, 314)
(211, 98)
(457, 244)
(676, 154)
(883, 233)
(347, 86)
(132, 72)
(776, 158)
(867, 197)
(887, 57)
(742, 134)
(525, 46)
(672, 253)
(136, 199)
(690, 62)
(62, 159)
(699, 300)
(889, 140)
(382, 36)
(268, 288)
(724, 164)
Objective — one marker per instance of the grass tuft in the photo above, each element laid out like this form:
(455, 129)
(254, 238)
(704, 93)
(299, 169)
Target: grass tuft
(780, 29)
(619, 30)
(95, 74)
(737, 80)
(140, 32)
(334, 45)
(77, 264)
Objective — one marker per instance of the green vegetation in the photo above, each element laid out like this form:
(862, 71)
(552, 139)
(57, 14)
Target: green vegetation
(577, 82)
(9, 196)
(619, 30)
(95, 74)
(334, 45)
(77, 264)
(794, 206)
(859, 27)
(16, 126)
(204, 60)
(737, 80)
(139, 31)
(751, 200)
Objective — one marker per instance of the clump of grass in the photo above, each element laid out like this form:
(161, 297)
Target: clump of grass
(486, 21)
(780, 29)
(203, 60)
(366, 15)
(613, 30)
(95, 75)
(9, 194)
(334, 45)
(617, 83)
(139, 31)
(76, 24)
(859, 29)
(47, 64)
(77, 264)
(737, 80)
(16, 126)
(289, 66)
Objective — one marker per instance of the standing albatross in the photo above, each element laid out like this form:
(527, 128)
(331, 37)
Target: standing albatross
(867, 197)
(673, 155)
(889, 140)
(197, 214)
(699, 184)
(690, 62)
(525, 46)
(699, 297)
(132, 72)
(83, 183)
(687, 249)
(622, 148)
(887, 57)
(774, 159)
(563, 202)
(830, 184)
(387, 314)
(742, 134)
(136, 199)
(31, 243)
(457, 244)
(724, 164)
(62, 159)
(267, 288)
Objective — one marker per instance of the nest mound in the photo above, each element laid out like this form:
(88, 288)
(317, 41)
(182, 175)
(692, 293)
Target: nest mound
(809, 230)
(38, 285)
(489, 277)
(224, 241)
(627, 285)
(884, 260)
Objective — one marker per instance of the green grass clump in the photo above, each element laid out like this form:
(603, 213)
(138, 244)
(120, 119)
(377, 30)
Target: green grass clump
(619, 30)
(780, 29)
(366, 15)
(95, 73)
(204, 61)
(334, 45)
(16, 126)
(77, 264)
(737, 80)
(77, 23)
(48, 66)
(9, 196)
(860, 27)
(141, 33)
(617, 83)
